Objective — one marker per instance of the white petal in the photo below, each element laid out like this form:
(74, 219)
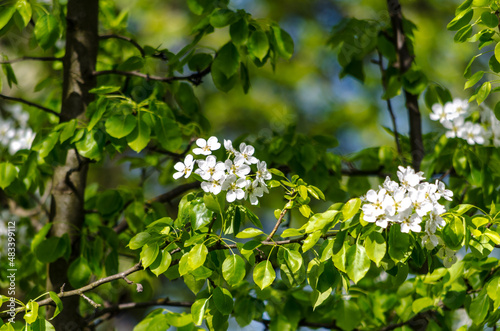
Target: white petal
(201, 142)
(179, 166)
(231, 196)
(178, 175)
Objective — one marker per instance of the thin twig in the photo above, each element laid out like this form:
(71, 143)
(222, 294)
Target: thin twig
(276, 226)
(130, 40)
(32, 58)
(389, 107)
(195, 78)
(92, 302)
(29, 103)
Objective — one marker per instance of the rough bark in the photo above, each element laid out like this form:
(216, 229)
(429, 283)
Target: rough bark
(405, 59)
(69, 179)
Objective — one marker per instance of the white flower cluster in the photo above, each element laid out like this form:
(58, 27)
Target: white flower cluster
(233, 175)
(453, 116)
(408, 203)
(15, 132)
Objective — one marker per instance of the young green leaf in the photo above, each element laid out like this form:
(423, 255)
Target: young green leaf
(148, 254)
(119, 126)
(165, 261)
(47, 31)
(8, 172)
(58, 303)
(375, 247)
(223, 300)
(233, 269)
(239, 31)
(197, 256)
(264, 274)
(79, 272)
(31, 312)
(258, 44)
(351, 207)
(483, 92)
(358, 262)
(24, 9)
(198, 310)
(5, 15)
(140, 136)
(249, 233)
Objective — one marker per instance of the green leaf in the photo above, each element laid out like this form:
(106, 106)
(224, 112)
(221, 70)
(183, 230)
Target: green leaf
(239, 32)
(223, 300)
(91, 145)
(119, 126)
(131, 64)
(483, 92)
(199, 61)
(473, 79)
(310, 241)
(24, 9)
(463, 34)
(399, 243)
(47, 31)
(6, 15)
(421, 304)
(351, 315)
(50, 250)
(165, 261)
(284, 42)
(148, 254)
(454, 232)
(197, 256)
(79, 272)
(489, 19)
(264, 274)
(58, 302)
(40, 236)
(198, 310)
(105, 89)
(47, 144)
(258, 44)
(479, 308)
(139, 240)
(96, 116)
(68, 130)
(461, 20)
(227, 60)
(319, 221)
(375, 247)
(350, 208)
(140, 136)
(293, 260)
(31, 312)
(202, 215)
(358, 262)
(249, 233)
(8, 173)
(494, 236)
(186, 99)
(222, 17)
(233, 269)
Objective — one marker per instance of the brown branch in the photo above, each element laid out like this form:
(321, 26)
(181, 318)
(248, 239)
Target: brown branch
(195, 78)
(32, 58)
(404, 63)
(276, 226)
(29, 103)
(130, 40)
(172, 194)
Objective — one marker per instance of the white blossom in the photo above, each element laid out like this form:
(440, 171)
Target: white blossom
(214, 186)
(237, 168)
(234, 187)
(246, 153)
(379, 201)
(474, 133)
(408, 177)
(205, 147)
(184, 168)
(228, 145)
(262, 173)
(409, 221)
(210, 169)
(254, 191)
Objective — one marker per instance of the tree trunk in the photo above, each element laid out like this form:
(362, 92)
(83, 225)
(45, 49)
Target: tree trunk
(67, 210)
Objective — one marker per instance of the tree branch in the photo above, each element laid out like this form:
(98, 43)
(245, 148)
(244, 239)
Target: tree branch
(389, 106)
(32, 58)
(405, 60)
(276, 226)
(130, 40)
(195, 78)
(29, 103)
